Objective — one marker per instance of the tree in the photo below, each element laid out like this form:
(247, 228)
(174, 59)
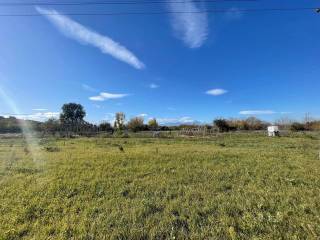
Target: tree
(136, 124)
(72, 114)
(284, 123)
(254, 123)
(221, 124)
(307, 121)
(153, 124)
(105, 127)
(119, 121)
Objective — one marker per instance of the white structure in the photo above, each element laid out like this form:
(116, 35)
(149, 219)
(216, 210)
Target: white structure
(273, 131)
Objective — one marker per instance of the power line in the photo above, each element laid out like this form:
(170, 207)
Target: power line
(246, 10)
(18, 4)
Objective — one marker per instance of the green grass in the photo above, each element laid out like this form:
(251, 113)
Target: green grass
(233, 186)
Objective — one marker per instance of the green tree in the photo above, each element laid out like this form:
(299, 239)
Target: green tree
(105, 127)
(153, 124)
(72, 114)
(222, 125)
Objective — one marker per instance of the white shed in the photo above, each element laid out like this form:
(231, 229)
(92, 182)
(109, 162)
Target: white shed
(273, 131)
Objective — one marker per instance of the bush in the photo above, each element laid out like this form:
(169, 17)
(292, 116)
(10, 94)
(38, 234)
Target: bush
(254, 123)
(315, 125)
(105, 127)
(297, 127)
(222, 125)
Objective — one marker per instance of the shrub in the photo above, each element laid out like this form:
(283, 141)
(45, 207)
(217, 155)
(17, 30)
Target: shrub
(296, 126)
(222, 125)
(315, 125)
(105, 127)
(254, 123)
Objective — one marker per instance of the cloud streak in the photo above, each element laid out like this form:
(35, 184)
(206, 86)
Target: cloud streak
(153, 86)
(39, 109)
(143, 115)
(188, 26)
(257, 112)
(106, 96)
(233, 14)
(176, 121)
(261, 112)
(84, 35)
(38, 116)
(216, 92)
(88, 88)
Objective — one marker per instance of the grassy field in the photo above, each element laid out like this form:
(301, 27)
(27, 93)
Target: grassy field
(232, 186)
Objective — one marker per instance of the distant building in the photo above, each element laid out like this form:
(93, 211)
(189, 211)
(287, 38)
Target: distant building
(273, 131)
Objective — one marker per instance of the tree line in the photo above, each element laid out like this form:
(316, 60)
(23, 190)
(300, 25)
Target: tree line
(72, 116)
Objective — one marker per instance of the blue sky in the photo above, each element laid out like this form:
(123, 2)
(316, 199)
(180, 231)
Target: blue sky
(175, 67)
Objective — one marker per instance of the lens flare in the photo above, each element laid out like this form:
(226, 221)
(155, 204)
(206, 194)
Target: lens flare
(29, 135)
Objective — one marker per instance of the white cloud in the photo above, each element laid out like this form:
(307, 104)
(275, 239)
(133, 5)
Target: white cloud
(39, 116)
(153, 85)
(216, 92)
(143, 115)
(189, 26)
(84, 35)
(257, 112)
(175, 121)
(39, 109)
(106, 96)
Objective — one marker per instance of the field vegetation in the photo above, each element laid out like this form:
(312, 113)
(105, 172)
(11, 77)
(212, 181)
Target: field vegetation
(227, 186)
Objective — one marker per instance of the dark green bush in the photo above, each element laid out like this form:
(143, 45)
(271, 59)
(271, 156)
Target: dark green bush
(296, 126)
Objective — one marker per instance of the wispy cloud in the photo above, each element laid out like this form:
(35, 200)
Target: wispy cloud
(38, 116)
(106, 96)
(39, 109)
(233, 14)
(257, 112)
(142, 115)
(84, 35)
(153, 86)
(176, 121)
(88, 88)
(189, 26)
(216, 91)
